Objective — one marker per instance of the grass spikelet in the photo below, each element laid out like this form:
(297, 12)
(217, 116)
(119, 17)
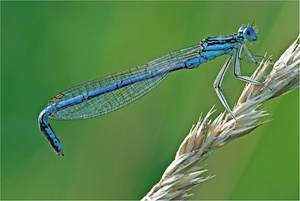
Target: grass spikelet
(186, 171)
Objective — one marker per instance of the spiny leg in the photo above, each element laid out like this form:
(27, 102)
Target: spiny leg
(218, 83)
(250, 56)
(237, 69)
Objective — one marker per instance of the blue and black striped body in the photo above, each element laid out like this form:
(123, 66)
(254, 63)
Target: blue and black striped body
(112, 92)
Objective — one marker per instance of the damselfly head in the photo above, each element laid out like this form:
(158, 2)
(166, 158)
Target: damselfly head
(248, 33)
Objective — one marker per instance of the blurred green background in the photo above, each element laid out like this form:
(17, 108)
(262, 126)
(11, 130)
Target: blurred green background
(48, 47)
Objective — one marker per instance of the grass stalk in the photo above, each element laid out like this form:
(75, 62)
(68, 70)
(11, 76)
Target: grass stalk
(186, 171)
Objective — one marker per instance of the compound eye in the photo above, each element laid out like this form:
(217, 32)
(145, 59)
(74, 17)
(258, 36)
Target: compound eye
(249, 34)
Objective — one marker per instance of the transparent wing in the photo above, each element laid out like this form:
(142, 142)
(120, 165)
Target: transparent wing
(116, 99)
